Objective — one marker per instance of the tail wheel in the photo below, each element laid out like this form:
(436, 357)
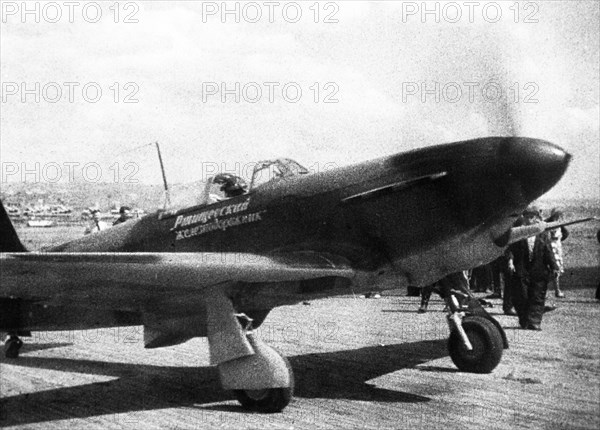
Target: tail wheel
(268, 400)
(487, 346)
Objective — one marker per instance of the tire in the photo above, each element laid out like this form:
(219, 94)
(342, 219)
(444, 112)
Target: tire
(487, 346)
(12, 347)
(269, 400)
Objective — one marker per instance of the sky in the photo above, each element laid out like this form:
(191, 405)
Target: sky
(89, 86)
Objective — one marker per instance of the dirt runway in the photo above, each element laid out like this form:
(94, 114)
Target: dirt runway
(358, 363)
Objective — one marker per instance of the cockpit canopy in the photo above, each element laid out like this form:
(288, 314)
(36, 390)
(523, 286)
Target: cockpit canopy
(264, 172)
(270, 170)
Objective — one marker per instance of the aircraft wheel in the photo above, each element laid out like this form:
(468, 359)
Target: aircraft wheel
(487, 346)
(268, 400)
(12, 346)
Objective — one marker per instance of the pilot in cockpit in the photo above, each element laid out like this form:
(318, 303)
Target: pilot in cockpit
(231, 185)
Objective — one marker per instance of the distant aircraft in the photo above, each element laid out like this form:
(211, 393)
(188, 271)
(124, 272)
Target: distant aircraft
(217, 269)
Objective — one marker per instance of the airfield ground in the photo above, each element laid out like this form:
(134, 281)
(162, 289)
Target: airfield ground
(359, 363)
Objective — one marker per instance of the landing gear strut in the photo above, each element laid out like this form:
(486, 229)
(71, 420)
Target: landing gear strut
(12, 345)
(260, 378)
(476, 339)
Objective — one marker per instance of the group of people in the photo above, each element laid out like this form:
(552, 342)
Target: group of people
(526, 269)
(96, 224)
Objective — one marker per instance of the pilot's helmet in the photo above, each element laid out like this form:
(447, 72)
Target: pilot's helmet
(231, 185)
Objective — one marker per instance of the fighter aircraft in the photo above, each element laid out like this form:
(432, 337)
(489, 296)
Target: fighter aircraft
(218, 267)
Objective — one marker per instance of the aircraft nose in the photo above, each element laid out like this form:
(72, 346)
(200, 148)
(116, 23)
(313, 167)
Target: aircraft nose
(536, 164)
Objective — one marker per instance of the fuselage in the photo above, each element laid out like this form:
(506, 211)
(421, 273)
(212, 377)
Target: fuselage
(406, 219)
(407, 212)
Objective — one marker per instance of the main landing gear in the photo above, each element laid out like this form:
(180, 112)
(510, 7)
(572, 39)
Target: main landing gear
(263, 381)
(267, 399)
(12, 345)
(476, 339)
(260, 378)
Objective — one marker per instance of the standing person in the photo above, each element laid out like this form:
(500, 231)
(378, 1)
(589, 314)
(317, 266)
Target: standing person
(499, 266)
(425, 296)
(533, 264)
(503, 276)
(124, 215)
(556, 238)
(95, 224)
(481, 279)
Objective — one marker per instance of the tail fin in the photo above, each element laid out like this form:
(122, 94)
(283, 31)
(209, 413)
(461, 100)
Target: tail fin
(9, 241)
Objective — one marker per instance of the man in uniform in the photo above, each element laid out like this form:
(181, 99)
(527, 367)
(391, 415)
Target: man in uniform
(95, 224)
(533, 265)
(124, 215)
(556, 238)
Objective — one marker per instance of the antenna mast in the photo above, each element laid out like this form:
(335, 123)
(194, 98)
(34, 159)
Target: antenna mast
(164, 176)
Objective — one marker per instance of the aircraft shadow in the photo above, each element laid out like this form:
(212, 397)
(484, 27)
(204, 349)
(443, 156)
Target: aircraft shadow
(332, 375)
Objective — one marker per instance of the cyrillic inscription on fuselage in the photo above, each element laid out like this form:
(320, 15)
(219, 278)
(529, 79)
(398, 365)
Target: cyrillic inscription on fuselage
(219, 224)
(214, 219)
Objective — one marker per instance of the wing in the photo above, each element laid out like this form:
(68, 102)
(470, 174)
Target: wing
(167, 291)
(76, 276)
